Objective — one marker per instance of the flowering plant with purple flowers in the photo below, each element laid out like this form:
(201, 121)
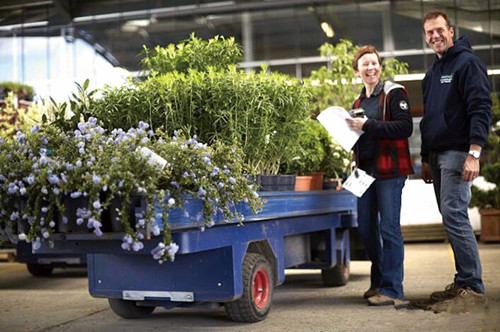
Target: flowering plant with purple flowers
(44, 170)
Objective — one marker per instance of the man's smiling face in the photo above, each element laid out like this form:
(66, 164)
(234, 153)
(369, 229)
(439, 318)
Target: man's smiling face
(438, 35)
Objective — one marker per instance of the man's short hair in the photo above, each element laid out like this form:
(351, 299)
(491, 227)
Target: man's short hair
(435, 14)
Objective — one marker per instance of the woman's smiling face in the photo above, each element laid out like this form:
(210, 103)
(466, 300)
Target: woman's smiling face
(369, 69)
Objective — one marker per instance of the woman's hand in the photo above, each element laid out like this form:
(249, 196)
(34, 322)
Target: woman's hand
(356, 123)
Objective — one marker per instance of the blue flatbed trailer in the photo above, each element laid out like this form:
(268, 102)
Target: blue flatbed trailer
(230, 264)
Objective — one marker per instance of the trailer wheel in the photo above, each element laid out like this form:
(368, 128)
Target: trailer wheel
(129, 309)
(255, 302)
(336, 276)
(39, 270)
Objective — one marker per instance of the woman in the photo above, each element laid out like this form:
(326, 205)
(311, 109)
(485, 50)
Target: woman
(382, 151)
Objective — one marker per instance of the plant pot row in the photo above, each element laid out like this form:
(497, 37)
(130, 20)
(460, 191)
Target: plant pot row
(66, 222)
(295, 183)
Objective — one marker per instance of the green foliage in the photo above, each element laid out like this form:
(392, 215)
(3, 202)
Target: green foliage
(46, 166)
(310, 152)
(261, 112)
(193, 53)
(490, 164)
(23, 91)
(336, 84)
(67, 116)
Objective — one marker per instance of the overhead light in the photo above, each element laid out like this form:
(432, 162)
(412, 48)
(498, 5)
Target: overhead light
(135, 25)
(327, 29)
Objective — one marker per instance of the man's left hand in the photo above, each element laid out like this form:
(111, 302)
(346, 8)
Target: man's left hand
(471, 168)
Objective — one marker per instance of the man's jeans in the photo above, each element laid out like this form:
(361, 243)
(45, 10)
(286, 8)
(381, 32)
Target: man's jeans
(453, 196)
(379, 211)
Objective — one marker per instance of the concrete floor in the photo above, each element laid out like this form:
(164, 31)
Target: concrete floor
(62, 302)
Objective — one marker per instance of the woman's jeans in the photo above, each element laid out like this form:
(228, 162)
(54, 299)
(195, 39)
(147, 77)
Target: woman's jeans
(379, 211)
(453, 196)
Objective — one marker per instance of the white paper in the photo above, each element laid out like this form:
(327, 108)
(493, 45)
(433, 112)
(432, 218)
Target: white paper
(358, 182)
(334, 120)
(153, 158)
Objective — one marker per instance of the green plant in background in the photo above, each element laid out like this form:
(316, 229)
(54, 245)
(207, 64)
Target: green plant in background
(490, 165)
(310, 152)
(260, 112)
(68, 116)
(16, 110)
(21, 90)
(336, 84)
(193, 53)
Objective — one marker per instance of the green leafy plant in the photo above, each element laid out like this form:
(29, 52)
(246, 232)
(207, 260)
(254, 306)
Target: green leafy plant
(45, 169)
(261, 112)
(490, 165)
(193, 53)
(23, 91)
(310, 152)
(336, 84)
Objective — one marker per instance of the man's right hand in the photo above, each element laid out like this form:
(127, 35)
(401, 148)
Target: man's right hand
(426, 174)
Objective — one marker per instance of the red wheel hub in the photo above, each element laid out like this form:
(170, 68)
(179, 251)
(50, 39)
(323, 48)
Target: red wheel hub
(260, 289)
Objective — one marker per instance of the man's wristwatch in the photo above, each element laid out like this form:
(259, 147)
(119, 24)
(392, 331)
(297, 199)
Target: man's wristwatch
(475, 154)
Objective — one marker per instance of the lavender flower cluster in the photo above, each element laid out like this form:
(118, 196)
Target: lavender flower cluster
(43, 169)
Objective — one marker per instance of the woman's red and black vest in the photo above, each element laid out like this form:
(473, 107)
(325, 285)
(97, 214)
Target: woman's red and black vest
(392, 156)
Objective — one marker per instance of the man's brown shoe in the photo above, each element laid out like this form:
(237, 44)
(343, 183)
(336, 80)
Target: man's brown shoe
(466, 300)
(380, 299)
(370, 292)
(449, 292)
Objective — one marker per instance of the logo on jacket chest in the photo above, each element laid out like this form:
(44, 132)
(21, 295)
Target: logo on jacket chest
(446, 79)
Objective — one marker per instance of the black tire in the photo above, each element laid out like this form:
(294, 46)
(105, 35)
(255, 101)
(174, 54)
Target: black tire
(258, 285)
(39, 270)
(129, 309)
(336, 276)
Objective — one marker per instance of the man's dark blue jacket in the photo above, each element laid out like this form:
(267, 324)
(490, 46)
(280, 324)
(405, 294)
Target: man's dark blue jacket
(457, 101)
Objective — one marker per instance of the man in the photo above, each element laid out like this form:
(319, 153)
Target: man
(457, 117)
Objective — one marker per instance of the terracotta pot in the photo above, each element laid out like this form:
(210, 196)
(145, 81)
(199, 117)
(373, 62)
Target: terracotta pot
(303, 182)
(490, 225)
(317, 181)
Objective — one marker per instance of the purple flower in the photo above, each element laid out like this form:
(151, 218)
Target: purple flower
(35, 129)
(172, 249)
(78, 163)
(63, 177)
(215, 171)
(201, 192)
(232, 180)
(96, 205)
(171, 201)
(96, 179)
(75, 194)
(53, 179)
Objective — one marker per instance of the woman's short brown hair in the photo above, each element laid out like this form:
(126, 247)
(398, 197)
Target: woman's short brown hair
(367, 49)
